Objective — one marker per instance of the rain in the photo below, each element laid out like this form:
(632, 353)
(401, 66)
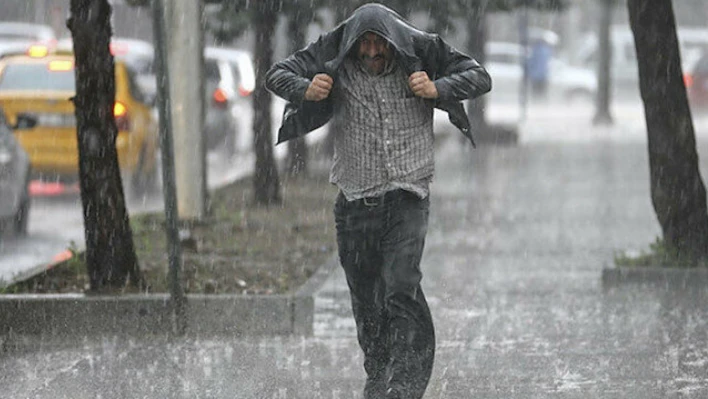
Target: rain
(565, 250)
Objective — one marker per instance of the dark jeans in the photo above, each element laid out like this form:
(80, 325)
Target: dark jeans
(380, 246)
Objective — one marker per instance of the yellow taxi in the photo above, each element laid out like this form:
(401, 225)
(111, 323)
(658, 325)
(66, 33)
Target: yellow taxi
(41, 83)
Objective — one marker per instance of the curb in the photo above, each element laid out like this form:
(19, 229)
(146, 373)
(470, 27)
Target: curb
(661, 277)
(77, 316)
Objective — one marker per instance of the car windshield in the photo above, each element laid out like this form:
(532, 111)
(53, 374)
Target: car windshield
(37, 77)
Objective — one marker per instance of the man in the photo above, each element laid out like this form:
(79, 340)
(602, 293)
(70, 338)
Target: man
(538, 67)
(379, 78)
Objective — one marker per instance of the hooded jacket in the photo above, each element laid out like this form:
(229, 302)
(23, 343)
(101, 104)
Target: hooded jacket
(456, 76)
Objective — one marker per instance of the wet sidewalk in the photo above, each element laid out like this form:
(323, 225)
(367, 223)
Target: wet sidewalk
(518, 239)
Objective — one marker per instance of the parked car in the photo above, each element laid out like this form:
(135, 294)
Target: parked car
(697, 85)
(43, 86)
(14, 178)
(229, 80)
(505, 60)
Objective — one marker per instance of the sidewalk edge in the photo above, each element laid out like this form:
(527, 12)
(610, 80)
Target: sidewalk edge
(670, 278)
(76, 316)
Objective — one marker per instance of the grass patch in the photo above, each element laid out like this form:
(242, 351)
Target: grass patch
(240, 248)
(659, 255)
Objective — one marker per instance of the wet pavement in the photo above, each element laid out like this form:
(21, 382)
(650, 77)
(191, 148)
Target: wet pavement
(518, 239)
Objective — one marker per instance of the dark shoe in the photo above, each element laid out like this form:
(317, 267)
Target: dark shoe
(393, 393)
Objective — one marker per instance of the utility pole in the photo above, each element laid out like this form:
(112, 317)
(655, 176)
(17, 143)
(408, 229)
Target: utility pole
(185, 56)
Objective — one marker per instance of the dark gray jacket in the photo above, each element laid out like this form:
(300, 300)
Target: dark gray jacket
(457, 76)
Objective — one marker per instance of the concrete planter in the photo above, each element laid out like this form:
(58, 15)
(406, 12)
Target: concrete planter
(671, 278)
(77, 315)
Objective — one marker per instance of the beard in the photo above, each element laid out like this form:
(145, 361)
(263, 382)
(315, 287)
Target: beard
(375, 64)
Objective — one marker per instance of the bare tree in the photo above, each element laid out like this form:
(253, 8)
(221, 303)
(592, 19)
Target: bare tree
(677, 190)
(110, 255)
(265, 179)
(602, 112)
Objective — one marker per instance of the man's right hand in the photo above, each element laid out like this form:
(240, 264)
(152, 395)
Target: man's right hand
(319, 88)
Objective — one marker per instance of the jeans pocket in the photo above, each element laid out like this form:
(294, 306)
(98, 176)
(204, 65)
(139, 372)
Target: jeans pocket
(416, 202)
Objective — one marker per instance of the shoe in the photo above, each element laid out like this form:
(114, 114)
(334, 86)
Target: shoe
(393, 393)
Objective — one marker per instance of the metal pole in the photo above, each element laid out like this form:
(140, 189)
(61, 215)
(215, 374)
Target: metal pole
(168, 168)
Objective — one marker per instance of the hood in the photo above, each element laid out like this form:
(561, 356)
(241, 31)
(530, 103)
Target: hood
(384, 22)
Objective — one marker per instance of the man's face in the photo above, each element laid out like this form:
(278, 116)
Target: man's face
(374, 52)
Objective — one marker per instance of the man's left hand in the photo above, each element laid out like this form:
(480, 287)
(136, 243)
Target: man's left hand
(422, 86)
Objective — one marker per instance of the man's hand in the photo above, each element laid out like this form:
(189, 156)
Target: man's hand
(422, 86)
(319, 88)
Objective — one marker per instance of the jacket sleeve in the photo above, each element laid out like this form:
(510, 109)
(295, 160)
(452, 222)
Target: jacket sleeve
(460, 77)
(291, 77)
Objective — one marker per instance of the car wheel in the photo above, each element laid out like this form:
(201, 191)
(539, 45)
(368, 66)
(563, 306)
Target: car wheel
(21, 219)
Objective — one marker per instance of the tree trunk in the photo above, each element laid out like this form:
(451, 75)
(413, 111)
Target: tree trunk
(266, 182)
(297, 148)
(604, 77)
(677, 191)
(110, 256)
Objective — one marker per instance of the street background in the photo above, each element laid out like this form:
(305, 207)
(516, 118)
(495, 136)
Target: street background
(519, 235)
